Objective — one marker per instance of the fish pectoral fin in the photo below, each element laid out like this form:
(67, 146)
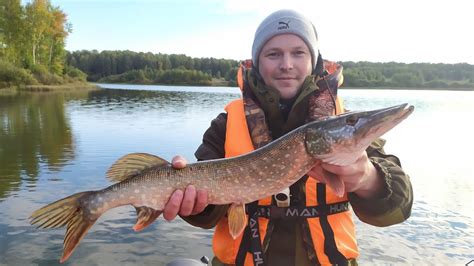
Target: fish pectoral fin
(145, 216)
(132, 164)
(335, 183)
(237, 219)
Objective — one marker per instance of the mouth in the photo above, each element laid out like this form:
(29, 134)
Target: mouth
(394, 115)
(404, 113)
(285, 78)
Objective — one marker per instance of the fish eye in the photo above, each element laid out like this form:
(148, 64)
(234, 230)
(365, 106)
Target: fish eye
(351, 120)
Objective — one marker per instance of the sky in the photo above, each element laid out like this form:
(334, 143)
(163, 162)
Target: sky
(405, 31)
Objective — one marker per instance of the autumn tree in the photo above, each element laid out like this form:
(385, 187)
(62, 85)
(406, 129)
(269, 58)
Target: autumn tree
(33, 35)
(11, 31)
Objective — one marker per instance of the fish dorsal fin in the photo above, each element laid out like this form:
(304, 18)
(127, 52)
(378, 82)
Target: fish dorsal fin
(132, 164)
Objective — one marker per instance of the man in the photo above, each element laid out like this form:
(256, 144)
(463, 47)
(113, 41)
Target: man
(286, 87)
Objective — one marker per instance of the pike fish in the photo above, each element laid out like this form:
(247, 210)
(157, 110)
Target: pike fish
(147, 181)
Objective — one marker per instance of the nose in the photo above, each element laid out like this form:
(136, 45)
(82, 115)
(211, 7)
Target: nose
(286, 63)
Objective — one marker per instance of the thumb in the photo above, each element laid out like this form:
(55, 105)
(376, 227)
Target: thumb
(178, 162)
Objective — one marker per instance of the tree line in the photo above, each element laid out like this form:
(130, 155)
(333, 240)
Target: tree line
(416, 75)
(32, 44)
(149, 68)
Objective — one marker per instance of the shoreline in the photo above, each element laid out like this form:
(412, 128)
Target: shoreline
(59, 87)
(340, 88)
(214, 83)
(94, 86)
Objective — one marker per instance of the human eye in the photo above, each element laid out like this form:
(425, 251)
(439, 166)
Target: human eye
(300, 52)
(272, 54)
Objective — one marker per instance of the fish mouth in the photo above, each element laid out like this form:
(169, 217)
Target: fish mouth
(395, 113)
(404, 112)
(378, 122)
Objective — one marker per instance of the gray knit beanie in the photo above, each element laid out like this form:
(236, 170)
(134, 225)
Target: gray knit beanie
(281, 22)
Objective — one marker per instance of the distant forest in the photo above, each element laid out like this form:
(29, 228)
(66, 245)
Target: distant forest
(174, 69)
(148, 68)
(415, 75)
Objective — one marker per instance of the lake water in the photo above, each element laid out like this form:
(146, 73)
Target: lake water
(55, 144)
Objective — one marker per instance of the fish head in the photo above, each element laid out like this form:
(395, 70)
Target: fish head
(342, 139)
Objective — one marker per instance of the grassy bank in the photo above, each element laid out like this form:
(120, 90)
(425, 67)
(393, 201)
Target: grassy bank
(8, 91)
(39, 78)
(63, 87)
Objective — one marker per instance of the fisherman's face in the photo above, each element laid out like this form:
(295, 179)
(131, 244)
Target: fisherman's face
(284, 63)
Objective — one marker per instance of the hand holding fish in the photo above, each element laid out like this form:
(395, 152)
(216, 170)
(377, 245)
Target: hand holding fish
(360, 177)
(189, 202)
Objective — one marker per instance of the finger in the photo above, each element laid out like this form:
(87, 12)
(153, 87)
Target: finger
(178, 162)
(173, 205)
(187, 205)
(201, 201)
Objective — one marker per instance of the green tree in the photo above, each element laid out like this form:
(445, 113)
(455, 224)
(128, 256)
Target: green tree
(11, 31)
(33, 37)
(57, 33)
(38, 19)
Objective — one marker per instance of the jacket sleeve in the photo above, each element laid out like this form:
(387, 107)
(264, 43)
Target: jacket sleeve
(212, 147)
(394, 204)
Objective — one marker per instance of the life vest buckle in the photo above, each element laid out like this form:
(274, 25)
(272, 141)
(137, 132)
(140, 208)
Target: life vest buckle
(282, 198)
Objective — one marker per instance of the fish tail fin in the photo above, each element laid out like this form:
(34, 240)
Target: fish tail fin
(70, 212)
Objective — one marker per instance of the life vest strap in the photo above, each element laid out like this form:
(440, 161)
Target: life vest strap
(274, 212)
(251, 239)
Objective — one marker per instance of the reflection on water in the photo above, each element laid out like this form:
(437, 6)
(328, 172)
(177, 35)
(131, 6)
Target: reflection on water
(34, 132)
(52, 145)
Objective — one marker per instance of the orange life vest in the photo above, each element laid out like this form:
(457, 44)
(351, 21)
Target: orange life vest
(332, 235)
